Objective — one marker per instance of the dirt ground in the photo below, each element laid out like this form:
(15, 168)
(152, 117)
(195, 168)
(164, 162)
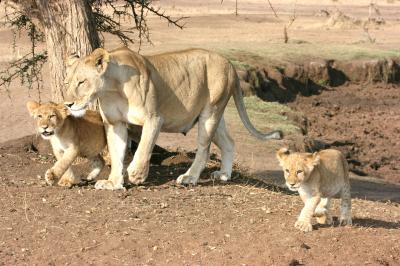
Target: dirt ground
(243, 222)
(360, 120)
(248, 221)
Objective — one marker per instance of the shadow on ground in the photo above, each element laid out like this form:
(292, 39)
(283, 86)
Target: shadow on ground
(361, 187)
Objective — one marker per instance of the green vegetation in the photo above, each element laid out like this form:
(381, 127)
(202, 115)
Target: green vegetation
(265, 115)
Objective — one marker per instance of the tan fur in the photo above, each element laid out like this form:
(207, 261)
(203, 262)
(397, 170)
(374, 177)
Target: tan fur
(168, 92)
(70, 137)
(317, 177)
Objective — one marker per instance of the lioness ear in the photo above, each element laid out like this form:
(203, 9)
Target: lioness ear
(101, 59)
(72, 58)
(314, 159)
(32, 106)
(282, 154)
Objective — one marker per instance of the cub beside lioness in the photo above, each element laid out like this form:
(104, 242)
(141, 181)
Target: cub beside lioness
(70, 137)
(317, 177)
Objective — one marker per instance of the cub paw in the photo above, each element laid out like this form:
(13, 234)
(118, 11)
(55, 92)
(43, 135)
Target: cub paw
(68, 181)
(221, 176)
(108, 185)
(343, 221)
(325, 219)
(303, 226)
(186, 179)
(64, 182)
(50, 177)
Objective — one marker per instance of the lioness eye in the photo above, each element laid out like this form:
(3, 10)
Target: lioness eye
(51, 116)
(287, 170)
(299, 172)
(40, 116)
(80, 83)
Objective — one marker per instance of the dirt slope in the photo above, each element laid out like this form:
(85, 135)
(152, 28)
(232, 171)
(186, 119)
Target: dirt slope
(363, 121)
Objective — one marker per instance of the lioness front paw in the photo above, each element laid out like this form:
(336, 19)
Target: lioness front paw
(186, 179)
(50, 177)
(345, 221)
(137, 175)
(107, 184)
(221, 176)
(304, 226)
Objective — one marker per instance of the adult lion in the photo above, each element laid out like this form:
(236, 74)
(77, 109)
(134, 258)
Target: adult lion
(169, 92)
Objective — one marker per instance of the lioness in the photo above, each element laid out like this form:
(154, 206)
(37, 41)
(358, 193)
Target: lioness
(169, 92)
(70, 137)
(317, 177)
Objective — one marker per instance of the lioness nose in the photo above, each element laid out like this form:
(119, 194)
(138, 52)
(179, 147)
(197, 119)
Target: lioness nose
(69, 105)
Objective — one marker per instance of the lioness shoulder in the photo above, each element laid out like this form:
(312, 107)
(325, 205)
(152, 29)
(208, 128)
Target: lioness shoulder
(70, 137)
(317, 177)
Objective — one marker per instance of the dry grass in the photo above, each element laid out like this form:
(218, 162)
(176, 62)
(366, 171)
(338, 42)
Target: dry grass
(277, 53)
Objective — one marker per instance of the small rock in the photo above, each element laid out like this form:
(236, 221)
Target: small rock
(305, 246)
(295, 262)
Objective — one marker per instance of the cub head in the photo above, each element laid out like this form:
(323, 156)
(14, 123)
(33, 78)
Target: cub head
(297, 167)
(49, 117)
(84, 80)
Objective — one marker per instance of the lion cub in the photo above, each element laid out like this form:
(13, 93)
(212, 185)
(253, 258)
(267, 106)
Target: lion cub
(317, 177)
(70, 137)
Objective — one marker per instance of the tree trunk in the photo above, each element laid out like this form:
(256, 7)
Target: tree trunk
(69, 28)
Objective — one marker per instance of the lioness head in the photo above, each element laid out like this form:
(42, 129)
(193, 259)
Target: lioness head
(297, 167)
(49, 117)
(84, 80)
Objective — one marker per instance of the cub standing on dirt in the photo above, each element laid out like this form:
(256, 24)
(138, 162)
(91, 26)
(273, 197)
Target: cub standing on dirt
(317, 177)
(70, 137)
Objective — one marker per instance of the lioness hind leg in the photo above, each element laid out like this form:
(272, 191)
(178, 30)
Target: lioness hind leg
(322, 211)
(97, 165)
(226, 145)
(207, 125)
(345, 208)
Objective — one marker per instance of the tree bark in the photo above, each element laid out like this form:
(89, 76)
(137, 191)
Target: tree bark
(69, 28)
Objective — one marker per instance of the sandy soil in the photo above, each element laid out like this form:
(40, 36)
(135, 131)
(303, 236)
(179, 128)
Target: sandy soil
(244, 222)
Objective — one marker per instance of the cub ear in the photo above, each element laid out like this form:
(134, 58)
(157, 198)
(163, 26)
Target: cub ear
(71, 59)
(282, 154)
(32, 106)
(313, 159)
(101, 58)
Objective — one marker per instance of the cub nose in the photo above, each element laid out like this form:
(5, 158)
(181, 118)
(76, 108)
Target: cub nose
(69, 104)
(292, 183)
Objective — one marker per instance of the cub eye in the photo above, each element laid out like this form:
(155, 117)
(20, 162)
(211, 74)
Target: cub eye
(287, 170)
(299, 172)
(51, 116)
(40, 116)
